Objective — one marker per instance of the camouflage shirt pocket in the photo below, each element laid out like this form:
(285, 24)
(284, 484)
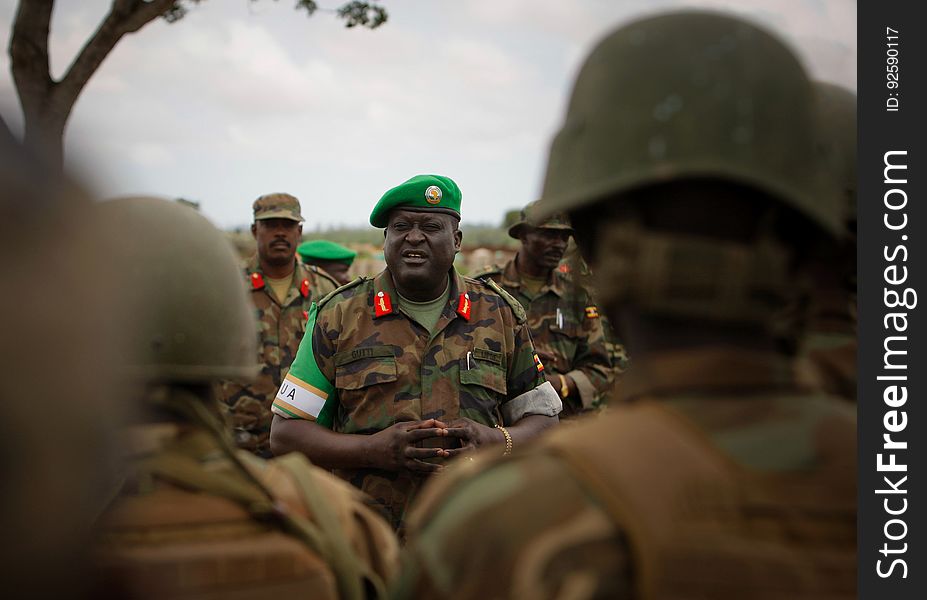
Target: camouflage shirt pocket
(484, 368)
(363, 367)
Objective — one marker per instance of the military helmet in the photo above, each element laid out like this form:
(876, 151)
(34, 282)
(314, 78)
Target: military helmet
(836, 144)
(688, 95)
(195, 322)
(529, 216)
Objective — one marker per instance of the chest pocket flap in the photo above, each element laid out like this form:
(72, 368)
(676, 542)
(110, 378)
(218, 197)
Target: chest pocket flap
(485, 370)
(363, 367)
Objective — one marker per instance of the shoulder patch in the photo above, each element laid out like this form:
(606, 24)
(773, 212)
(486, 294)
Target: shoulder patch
(337, 291)
(514, 304)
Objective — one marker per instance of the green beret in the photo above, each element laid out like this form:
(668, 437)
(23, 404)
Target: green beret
(325, 250)
(421, 193)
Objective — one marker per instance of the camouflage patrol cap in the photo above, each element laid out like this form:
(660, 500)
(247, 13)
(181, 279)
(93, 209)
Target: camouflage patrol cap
(529, 216)
(277, 206)
(720, 99)
(325, 250)
(196, 322)
(429, 193)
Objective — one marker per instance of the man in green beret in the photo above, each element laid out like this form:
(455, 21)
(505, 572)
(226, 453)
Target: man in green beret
(414, 367)
(282, 291)
(330, 259)
(564, 321)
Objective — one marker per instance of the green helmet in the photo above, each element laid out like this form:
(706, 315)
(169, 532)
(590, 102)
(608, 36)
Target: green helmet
(836, 144)
(195, 322)
(688, 95)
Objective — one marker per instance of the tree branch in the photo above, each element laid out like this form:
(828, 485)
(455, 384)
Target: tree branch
(28, 50)
(125, 16)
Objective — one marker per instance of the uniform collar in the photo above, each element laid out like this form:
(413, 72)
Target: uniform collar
(511, 277)
(301, 279)
(705, 370)
(384, 283)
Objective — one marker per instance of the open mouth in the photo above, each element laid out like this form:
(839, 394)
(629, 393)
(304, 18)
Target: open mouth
(414, 256)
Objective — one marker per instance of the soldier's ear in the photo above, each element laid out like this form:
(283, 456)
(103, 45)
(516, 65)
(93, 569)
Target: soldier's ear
(458, 238)
(254, 230)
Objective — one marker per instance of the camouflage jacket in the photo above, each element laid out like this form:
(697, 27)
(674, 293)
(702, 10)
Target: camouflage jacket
(187, 534)
(280, 330)
(567, 332)
(385, 368)
(610, 509)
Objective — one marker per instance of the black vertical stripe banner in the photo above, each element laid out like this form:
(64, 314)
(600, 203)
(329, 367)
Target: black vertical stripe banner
(892, 225)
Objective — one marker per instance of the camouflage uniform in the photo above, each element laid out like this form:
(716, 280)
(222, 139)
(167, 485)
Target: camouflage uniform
(280, 330)
(717, 475)
(572, 343)
(194, 517)
(385, 368)
(595, 520)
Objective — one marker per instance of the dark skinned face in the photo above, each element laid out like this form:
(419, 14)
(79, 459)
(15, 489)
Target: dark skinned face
(276, 240)
(542, 249)
(419, 249)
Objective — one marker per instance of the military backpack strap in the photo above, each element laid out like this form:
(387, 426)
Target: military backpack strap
(347, 566)
(337, 291)
(514, 304)
(244, 488)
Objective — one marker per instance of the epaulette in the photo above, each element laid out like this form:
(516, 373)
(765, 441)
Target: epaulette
(346, 286)
(514, 304)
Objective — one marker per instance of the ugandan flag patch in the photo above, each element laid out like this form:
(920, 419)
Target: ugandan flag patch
(592, 312)
(538, 363)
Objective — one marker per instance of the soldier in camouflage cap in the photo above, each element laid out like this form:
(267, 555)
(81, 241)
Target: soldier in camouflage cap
(564, 321)
(691, 193)
(413, 367)
(282, 289)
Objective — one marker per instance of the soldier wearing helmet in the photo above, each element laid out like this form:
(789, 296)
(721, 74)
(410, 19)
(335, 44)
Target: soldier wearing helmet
(564, 321)
(281, 289)
(692, 194)
(195, 517)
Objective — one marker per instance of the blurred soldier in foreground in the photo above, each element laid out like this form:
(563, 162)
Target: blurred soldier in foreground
(828, 344)
(564, 321)
(690, 190)
(282, 291)
(196, 518)
(330, 259)
(59, 408)
(417, 356)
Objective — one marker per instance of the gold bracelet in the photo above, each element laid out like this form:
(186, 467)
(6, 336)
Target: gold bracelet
(564, 388)
(508, 440)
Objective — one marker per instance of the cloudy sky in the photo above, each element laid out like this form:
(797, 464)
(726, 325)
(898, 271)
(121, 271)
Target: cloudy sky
(242, 98)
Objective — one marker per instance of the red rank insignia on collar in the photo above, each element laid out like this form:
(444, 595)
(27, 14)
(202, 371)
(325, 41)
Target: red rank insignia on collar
(382, 304)
(592, 312)
(463, 306)
(257, 281)
(538, 364)
(304, 288)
